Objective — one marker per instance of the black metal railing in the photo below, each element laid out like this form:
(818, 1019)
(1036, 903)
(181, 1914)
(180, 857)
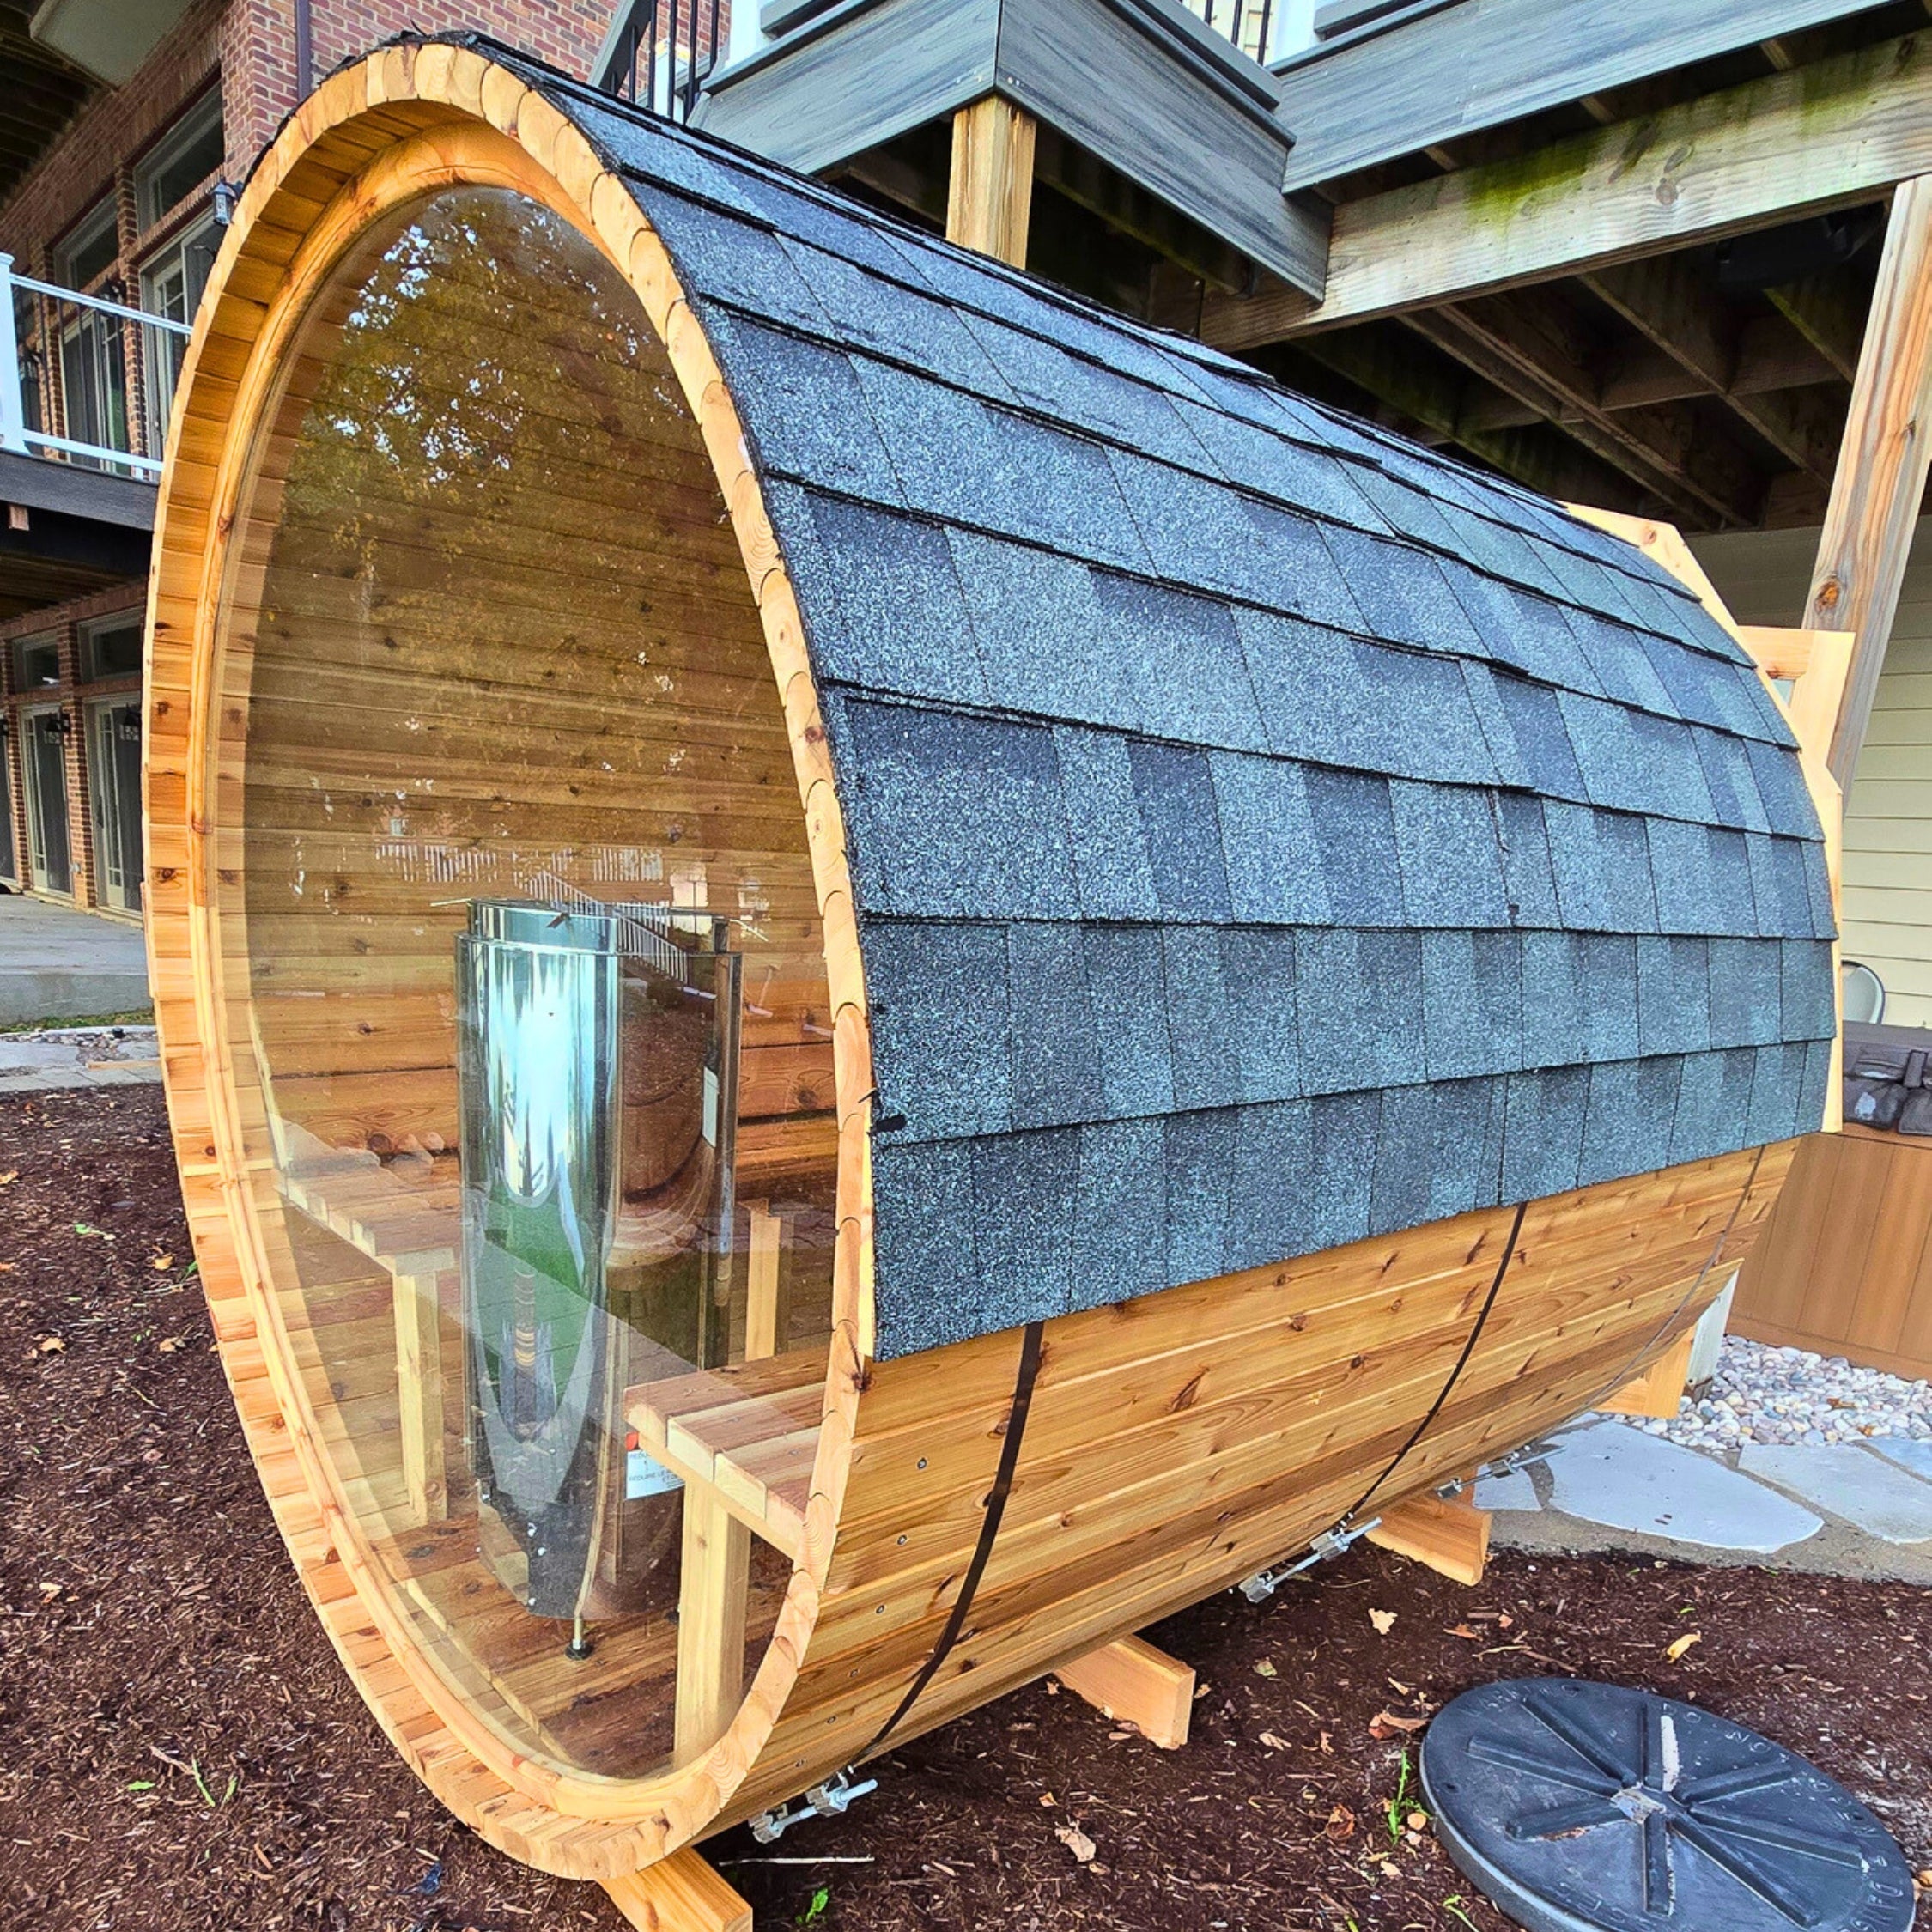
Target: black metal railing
(1248, 23)
(663, 53)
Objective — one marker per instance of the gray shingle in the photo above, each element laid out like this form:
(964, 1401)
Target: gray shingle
(1025, 1187)
(1781, 784)
(1808, 1006)
(1263, 459)
(1673, 996)
(1607, 971)
(1401, 592)
(1818, 885)
(1528, 634)
(1543, 1132)
(1258, 971)
(1747, 993)
(1778, 886)
(1702, 877)
(1181, 657)
(902, 625)
(1633, 1109)
(1602, 861)
(1359, 1003)
(1527, 877)
(716, 254)
(1355, 833)
(1176, 789)
(1268, 838)
(1124, 982)
(1446, 843)
(947, 1080)
(1199, 1022)
(1199, 1151)
(924, 1221)
(1040, 631)
(1777, 1096)
(1546, 757)
(1815, 1086)
(959, 816)
(1554, 997)
(1270, 1213)
(1623, 668)
(1472, 1003)
(803, 409)
(1056, 1048)
(1343, 1129)
(1428, 1155)
(1120, 1215)
(1110, 864)
(1713, 1096)
(1727, 773)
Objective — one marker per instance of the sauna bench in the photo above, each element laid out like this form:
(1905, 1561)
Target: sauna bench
(747, 1435)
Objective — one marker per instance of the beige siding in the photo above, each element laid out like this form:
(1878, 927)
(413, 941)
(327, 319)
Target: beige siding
(1763, 576)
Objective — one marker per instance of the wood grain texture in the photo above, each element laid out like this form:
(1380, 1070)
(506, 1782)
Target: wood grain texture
(1874, 509)
(1659, 1388)
(989, 199)
(1448, 1533)
(680, 1894)
(1845, 1264)
(1838, 133)
(1133, 1683)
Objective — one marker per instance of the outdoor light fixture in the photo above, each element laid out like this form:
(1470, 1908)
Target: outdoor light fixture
(225, 193)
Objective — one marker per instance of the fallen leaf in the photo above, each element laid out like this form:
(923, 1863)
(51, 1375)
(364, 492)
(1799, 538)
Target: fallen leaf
(49, 1589)
(1275, 1743)
(1417, 1822)
(1464, 1631)
(1340, 1825)
(1505, 1621)
(1384, 1621)
(1076, 1841)
(52, 1345)
(170, 1344)
(1327, 1745)
(1386, 1724)
(161, 1262)
(1048, 1798)
(1265, 1668)
(1673, 1652)
(11, 1176)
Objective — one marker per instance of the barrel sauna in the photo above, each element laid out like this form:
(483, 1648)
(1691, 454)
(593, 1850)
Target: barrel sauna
(864, 976)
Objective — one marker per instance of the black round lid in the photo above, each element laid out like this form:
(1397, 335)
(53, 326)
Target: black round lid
(1588, 1807)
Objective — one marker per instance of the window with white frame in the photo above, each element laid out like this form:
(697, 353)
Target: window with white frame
(172, 281)
(177, 164)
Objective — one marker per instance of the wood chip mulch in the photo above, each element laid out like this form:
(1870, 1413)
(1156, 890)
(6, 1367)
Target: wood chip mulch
(179, 1752)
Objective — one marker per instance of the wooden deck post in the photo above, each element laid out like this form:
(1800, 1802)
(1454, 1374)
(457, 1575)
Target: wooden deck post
(989, 205)
(1880, 480)
(680, 1893)
(1133, 1681)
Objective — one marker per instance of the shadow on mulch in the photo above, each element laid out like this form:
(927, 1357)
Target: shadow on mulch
(179, 1750)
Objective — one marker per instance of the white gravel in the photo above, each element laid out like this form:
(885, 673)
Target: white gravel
(1766, 1394)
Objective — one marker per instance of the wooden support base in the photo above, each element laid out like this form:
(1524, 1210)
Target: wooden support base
(1448, 1533)
(1133, 1682)
(1659, 1389)
(680, 1893)
(717, 1576)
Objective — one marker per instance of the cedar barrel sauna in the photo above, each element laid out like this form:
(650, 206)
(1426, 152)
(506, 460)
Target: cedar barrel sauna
(864, 976)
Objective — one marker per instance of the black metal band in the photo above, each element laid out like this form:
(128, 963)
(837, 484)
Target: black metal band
(989, 1528)
(1461, 1362)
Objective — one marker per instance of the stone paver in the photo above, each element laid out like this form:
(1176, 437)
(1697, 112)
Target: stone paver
(1915, 1457)
(1512, 1491)
(77, 1057)
(1624, 1480)
(1882, 1499)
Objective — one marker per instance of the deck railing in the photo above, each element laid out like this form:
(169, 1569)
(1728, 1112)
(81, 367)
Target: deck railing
(17, 433)
(1248, 23)
(663, 53)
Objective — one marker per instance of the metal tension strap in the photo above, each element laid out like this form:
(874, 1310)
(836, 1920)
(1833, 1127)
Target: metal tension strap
(989, 1528)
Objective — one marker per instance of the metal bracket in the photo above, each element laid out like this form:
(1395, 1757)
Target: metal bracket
(832, 1799)
(1527, 1457)
(1324, 1548)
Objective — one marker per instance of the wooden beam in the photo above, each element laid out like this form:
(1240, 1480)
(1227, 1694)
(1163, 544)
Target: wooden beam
(680, 1893)
(1660, 1390)
(1830, 135)
(1829, 311)
(1691, 321)
(713, 1587)
(1771, 355)
(419, 1390)
(768, 1306)
(1876, 496)
(1135, 1684)
(1531, 349)
(1448, 1533)
(989, 205)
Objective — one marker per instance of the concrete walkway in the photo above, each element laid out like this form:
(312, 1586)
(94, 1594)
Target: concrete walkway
(1858, 1510)
(78, 1056)
(58, 964)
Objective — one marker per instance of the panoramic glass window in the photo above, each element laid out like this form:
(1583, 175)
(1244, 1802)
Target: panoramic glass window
(530, 980)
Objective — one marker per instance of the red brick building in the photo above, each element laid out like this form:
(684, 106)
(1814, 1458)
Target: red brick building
(132, 124)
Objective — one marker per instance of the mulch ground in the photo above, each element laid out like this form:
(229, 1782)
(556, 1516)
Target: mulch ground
(178, 1749)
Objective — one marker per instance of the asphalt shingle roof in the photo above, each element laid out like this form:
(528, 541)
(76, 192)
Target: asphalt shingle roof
(1264, 832)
